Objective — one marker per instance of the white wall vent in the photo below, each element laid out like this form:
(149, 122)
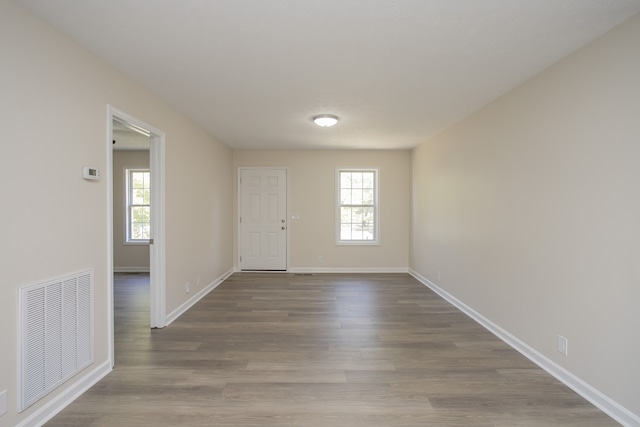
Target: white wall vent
(56, 334)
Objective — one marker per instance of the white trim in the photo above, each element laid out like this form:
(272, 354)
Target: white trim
(376, 207)
(597, 398)
(62, 400)
(157, 288)
(109, 179)
(197, 297)
(320, 270)
(157, 250)
(131, 269)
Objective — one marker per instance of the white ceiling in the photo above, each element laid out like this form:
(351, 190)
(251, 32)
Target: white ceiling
(126, 137)
(396, 72)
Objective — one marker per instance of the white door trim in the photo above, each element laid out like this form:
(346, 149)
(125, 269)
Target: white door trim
(239, 211)
(157, 250)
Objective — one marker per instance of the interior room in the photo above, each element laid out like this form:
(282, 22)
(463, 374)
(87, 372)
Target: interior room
(492, 147)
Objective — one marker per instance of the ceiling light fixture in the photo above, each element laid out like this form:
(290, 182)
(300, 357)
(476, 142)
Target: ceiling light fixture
(325, 120)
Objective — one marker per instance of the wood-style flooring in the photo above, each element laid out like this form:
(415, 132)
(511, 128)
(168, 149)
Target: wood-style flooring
(318, 350)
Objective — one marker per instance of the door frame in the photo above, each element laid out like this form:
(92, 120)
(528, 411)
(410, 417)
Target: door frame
(157, 287)
(239, 211)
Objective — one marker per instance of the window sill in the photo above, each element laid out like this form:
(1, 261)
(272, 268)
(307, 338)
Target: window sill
(358, 243)
(137, 243)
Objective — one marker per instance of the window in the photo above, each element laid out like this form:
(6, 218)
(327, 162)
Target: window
(138, 205)
(357, 206)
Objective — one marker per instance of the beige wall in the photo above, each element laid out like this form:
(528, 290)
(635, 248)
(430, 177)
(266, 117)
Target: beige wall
(53, 115)
(530, 210)
(126, 257)
(199, 214)
(312, 195)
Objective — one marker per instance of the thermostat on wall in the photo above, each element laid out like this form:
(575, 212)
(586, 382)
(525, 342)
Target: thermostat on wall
(89, 172)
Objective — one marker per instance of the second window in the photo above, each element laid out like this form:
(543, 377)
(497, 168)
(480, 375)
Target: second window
(357, 214)
(138, 205)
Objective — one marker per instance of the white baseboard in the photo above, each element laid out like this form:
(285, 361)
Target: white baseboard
(319, 270)
(62, 400)
(597, 398)
(197, 297)
(131, 269)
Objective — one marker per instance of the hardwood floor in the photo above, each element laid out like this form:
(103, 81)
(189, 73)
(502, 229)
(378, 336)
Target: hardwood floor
(320, 350)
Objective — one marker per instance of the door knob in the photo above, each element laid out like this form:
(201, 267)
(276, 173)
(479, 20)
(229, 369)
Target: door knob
(284, 228)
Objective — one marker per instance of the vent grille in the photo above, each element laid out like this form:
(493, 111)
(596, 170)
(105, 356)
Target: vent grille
(56, 334)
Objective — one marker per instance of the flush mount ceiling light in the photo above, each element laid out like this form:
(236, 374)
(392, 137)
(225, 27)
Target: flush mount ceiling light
(325, 120)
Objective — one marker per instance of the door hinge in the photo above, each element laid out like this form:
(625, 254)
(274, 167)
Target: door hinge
(240, 258)
(240, 220)
(151, 241)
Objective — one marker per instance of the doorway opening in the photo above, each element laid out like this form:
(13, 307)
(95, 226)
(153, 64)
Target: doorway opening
(136, 211)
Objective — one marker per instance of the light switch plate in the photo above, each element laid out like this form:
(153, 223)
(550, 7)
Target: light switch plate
(563, 345)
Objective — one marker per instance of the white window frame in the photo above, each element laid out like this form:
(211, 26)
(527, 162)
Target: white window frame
(376, 210)
(128, 205)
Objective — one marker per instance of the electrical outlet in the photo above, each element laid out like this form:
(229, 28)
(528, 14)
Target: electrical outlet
(187, 287)
(320, 260)
(563, 345)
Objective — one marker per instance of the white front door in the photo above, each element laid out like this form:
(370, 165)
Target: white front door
(263, 219)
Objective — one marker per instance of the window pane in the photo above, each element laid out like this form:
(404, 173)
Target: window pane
(135, 231)
(367, 197)
(146, 231)
(141, 214)
(137, 179)
(345, 232)
(356, 197)
(357, 180)
(141, 231)
(345, 197)
(345, 215)
(356, 215)
(138, 197)
(367, 180)
(368, 223)
(345, 180)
